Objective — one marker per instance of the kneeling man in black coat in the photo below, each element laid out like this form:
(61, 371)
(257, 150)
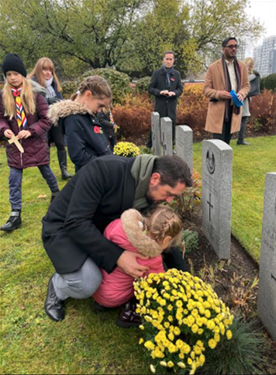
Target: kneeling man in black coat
(98, 194)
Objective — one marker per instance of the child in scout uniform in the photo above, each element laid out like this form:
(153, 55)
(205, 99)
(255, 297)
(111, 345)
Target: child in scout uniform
(23, 120)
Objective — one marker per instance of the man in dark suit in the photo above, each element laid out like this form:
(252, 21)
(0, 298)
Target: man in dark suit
(166, 86)
(99, 193)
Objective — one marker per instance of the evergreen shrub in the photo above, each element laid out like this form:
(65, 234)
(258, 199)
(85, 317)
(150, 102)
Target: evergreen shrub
(142, 85)
(118, 82)
(68, 88)
(269, 82)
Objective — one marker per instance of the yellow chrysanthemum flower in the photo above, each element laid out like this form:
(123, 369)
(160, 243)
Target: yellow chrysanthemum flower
(194, 328)
(170, 364)
(229, 334)
(212, 343)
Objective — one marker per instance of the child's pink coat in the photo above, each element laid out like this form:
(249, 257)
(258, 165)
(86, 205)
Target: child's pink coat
(117, 287)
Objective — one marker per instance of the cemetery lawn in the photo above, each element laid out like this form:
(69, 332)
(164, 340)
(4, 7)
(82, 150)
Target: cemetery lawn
(250, 164)
(30, 343)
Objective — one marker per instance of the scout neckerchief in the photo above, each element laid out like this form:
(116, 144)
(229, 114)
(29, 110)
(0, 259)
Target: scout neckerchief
(20, 114)
(111, 119)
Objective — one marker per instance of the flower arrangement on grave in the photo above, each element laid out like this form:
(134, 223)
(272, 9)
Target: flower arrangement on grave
(126, 149)
(182, 320)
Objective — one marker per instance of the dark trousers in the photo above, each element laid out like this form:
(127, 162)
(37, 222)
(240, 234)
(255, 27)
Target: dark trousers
(244, 121)
(226, 129)
(15, 184)
(55, 136)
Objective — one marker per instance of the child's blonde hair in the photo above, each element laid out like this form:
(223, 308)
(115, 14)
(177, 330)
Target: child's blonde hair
(163, 222)
(97, 85)
(44, 63)
(27, 99)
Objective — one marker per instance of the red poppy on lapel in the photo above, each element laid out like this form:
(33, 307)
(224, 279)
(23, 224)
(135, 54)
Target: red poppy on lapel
(97, 129)
(172, 79)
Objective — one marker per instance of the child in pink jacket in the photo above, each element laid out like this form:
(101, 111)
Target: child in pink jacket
(148, 236)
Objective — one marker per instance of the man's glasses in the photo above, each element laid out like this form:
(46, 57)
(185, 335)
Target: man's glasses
(232, 46)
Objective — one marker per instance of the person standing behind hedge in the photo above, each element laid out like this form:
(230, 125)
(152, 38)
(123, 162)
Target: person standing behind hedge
(249, 62)
(78, 120)
(23, 114)
(44, 74)
(166, 86)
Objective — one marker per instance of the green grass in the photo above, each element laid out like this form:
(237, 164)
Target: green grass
(30, 343)
(250, 164)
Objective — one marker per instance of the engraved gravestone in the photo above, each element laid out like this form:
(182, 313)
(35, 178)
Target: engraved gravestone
(217, 195)
(184, 144)
(166, 136)
(267, 273)
(156, 133)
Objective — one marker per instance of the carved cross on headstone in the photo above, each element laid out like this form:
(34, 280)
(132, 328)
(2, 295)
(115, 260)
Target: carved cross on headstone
(164, 144)
(210, 206)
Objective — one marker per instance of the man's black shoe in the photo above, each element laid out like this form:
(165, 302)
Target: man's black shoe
(54, 307)
(243, 143)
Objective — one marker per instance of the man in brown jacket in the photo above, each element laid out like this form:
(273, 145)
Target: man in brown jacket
(224, 75)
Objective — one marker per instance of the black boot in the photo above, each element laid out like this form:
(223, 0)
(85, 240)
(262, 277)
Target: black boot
(62, 159)
(54, 307)
(13, 222)
(128, 316)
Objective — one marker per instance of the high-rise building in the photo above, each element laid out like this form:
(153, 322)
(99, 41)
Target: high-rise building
(265, 56)
(241, 50)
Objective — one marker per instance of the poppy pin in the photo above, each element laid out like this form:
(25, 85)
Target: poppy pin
(97, 129)
(172, 79)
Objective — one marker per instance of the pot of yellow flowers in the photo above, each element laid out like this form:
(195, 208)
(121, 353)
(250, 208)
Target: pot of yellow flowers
(182, 320)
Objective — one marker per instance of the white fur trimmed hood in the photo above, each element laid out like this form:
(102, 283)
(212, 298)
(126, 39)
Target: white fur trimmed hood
(66, 108)
(133, 225)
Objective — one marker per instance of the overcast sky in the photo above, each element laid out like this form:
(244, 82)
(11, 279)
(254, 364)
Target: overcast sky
(265, 11)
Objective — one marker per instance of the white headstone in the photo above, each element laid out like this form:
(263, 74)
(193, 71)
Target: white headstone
(217, 195)
(184, 144)
(166, 136)
(156, 133)
(267, 273)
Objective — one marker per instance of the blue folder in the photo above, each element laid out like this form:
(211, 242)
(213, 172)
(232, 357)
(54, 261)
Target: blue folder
(235, 98)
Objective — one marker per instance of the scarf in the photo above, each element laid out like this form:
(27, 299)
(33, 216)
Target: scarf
(50, 90)
(236, 109)
(20, 114)
(141, 171)
(169, 72)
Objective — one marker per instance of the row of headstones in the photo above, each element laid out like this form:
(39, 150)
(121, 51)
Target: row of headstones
(217, 201)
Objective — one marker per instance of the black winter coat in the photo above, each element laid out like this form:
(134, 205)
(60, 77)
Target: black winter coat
(85, 138)
(165, 105)
(73, 226)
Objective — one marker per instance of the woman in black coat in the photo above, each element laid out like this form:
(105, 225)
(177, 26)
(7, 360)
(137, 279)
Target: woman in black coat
(77, 118)
(44, 74)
